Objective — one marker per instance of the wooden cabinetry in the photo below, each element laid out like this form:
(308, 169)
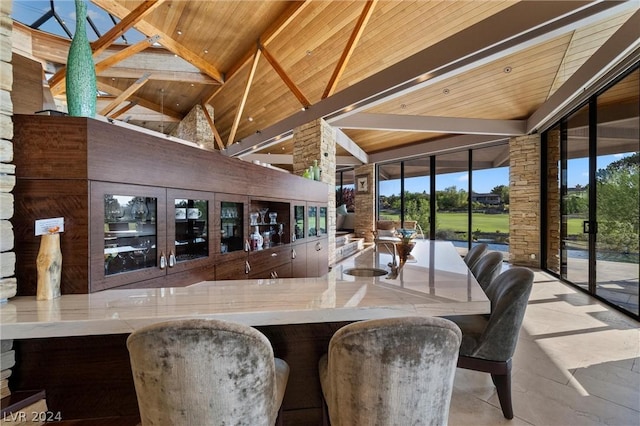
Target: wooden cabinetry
(191, 221)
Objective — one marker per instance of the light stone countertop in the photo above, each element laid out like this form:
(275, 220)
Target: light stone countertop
(437, 283)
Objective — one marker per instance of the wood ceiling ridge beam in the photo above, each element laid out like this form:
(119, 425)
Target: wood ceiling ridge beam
(520, 25)
(108, 38)
(269, 34)
(418, 123)
(126, 53)
(125, 94)
(351, 147)
(357, 32)
(285, 77)
(117, 9)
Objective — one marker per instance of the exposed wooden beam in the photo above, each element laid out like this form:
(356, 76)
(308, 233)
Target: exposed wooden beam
(117, 9)
(502, 159)
(367, 11)
(216, 135)
(243, 100)
(341, 160)
(108, 38)
(285, 78)
(125, 53)
(470, 48)
(269, 34)
(124, 109)
(125, 94)
(417, 123)
(124, 25)
(121, 96)
(169, 76)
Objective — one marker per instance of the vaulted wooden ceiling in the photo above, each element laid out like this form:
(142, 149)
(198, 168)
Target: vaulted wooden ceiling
(392, 75)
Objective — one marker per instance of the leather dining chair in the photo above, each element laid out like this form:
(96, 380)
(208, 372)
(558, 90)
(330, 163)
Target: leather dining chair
(474, 254)
(489, 342)
(394, 371)
(487, 268)
(205, 372)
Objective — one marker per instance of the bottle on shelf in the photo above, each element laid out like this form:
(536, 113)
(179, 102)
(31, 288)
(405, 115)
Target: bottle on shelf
(316, 170)
(256, 239)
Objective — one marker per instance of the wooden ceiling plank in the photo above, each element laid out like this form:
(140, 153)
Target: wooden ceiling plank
(216, 135)
(125, 53)
(161, 109)
(125, 94)
(124, 109)
(469, 48)
(168, 42)
(361, 24)
(243, 100)
(270, 33)
(285, 78)
(108, 38)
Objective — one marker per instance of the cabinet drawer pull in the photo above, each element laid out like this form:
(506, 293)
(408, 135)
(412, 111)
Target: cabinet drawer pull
(247, 247)
(274, 254)
(275, 274)
(318, 246)
(172, 259)
(163, 260)
(293, 253)
(247, 267)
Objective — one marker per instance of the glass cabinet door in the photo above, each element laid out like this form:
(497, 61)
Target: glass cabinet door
(313, 221)
(130, 233)
(322, 221)
(299, 222)
(231, 226)
(191, 229)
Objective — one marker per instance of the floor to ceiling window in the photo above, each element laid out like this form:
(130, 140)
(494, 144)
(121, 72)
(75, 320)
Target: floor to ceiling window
(436, 190)
(452, 197)
(599, 187)
(490, 197)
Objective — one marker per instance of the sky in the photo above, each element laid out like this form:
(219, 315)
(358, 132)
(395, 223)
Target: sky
(29, 11)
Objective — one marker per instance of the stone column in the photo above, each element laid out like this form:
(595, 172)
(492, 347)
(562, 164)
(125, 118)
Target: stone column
(524, 200)
(195, 128)
(366, 203)
(317, 141)
(553, 201)
(8, 283)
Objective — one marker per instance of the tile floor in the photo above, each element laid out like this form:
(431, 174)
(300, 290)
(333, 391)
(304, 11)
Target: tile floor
(577, 363)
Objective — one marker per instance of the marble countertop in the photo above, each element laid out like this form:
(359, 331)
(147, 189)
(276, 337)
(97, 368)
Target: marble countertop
(436, 283)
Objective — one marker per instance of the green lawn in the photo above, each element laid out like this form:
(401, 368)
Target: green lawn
(484, 222)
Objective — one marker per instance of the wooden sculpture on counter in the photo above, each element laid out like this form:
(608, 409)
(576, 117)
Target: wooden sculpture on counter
(49, 266)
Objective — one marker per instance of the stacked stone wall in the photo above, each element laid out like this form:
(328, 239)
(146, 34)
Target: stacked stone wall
(366, 204)
(524, 200)
(553, 202)
(317, 141)
(195, 128)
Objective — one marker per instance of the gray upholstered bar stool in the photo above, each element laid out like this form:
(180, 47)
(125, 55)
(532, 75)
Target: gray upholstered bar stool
(396, 371)
(474, 255)
(206, 372)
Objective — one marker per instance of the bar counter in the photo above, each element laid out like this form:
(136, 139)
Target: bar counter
(436, 282)
(74, 347)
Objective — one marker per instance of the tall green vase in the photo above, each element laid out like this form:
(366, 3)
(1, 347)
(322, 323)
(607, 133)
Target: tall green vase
(81, 72)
